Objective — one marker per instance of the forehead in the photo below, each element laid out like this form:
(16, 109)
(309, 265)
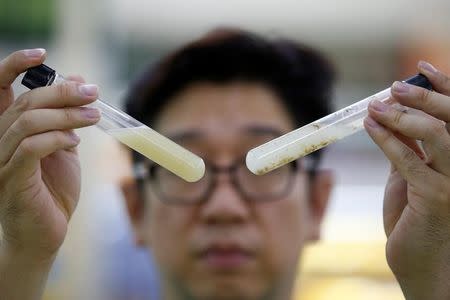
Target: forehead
(223, 109)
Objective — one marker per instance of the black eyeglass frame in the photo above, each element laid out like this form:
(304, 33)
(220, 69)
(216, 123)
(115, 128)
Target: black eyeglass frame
(143, 171)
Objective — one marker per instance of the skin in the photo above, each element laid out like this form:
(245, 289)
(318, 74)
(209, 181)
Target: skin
(417, 195)
(39, 173)
(273, 232)
(36, 201)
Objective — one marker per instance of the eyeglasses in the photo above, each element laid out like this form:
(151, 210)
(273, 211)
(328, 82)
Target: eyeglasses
(172, 189)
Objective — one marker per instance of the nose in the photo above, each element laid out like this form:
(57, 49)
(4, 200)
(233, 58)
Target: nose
(225, 204)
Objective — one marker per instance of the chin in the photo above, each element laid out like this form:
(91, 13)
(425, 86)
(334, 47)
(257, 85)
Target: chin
(228, 289)
(226, 295)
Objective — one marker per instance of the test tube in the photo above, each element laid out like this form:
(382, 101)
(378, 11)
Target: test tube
(318, 134)
(130, 131)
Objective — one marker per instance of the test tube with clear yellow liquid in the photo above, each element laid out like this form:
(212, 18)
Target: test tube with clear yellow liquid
(130, 131)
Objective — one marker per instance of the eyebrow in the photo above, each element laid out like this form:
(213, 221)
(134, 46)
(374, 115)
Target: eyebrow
(257, 130)
(263, 130)
(186, 135)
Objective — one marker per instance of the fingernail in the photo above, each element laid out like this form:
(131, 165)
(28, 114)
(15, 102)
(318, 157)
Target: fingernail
(400, 87)
(90, 113)
(378, 106)
(423, 65)
(371, 123)
(34, 53)
(88, 89)
(74, 137)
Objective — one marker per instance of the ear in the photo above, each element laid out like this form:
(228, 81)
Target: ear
(135, 208)
(320, 190)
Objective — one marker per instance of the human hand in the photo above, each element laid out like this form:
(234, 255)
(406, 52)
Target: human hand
(39, 166)
(417, 196)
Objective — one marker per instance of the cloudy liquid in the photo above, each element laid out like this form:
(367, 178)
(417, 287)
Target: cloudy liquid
(162, 151)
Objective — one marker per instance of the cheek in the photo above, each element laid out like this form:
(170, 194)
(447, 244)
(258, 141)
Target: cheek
(287, 223)
(167, 231)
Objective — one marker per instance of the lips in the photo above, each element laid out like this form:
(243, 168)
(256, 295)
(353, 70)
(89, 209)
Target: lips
(225, 257)
(225, 249)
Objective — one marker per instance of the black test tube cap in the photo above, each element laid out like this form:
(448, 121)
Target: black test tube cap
(420, 80)
(39, 76)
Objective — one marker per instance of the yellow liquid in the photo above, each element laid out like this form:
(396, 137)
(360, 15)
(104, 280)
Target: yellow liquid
(162, 151)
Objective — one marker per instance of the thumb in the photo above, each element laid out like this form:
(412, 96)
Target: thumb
(395, 200)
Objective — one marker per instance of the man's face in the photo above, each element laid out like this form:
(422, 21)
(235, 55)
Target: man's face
(227, 247)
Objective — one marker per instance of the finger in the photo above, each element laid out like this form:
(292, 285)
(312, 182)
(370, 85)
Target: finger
(67, 94)
(439, 80)
(18, 62)
(414, 126)
(427, 190)
(11, 67)
(433, 103)
(33, 148)
(76, 78)
(408, 164)
(395, 200)
(438, 156)
(432, 132)
(42, 120)
(412, 144)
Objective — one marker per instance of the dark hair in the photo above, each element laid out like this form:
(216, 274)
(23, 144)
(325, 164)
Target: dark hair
(299, 75)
